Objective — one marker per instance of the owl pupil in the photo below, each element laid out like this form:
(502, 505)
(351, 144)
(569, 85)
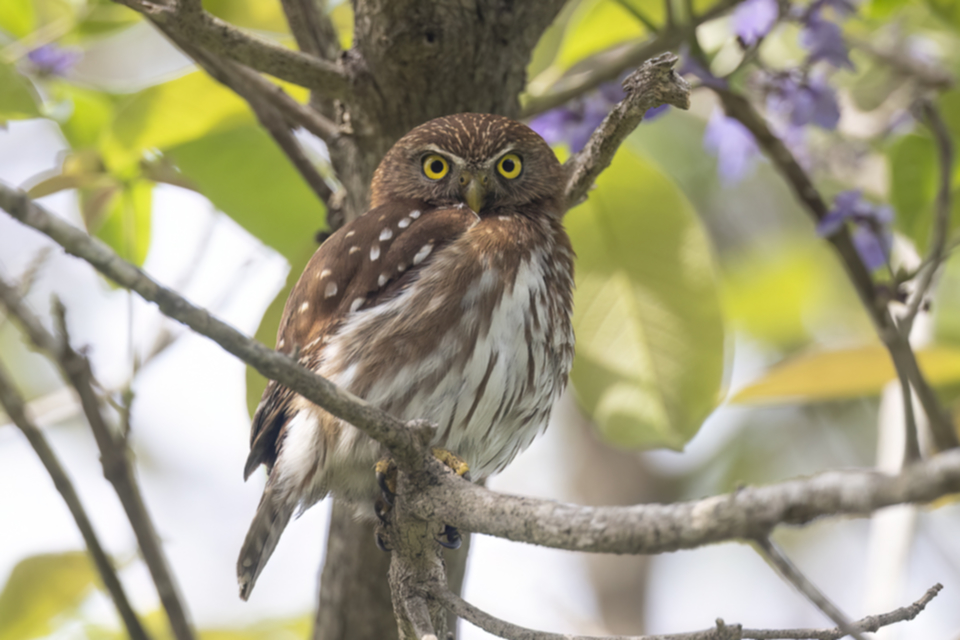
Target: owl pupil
(508, 166)
(436, 166)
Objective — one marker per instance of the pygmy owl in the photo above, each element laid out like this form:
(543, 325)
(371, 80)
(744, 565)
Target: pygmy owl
(449, 300)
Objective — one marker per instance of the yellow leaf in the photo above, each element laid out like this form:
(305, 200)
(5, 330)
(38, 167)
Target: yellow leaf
(39, 589)
(844, 373)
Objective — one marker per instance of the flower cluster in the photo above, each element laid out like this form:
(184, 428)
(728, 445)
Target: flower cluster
(51, 60)
(573, 123)
(871, 226)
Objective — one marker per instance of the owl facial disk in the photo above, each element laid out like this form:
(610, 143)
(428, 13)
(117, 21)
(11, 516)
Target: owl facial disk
(473, 189)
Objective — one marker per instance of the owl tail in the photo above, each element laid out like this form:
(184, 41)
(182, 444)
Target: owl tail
(271, 519)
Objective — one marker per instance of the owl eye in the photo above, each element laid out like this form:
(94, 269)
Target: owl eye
(510, 166)
(435, 167)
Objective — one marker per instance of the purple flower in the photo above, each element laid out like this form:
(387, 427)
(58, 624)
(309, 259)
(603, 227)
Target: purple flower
(803, 102)
(871, 233)
(824, 40)
(51, 60)
(753, 19)
(732, 144)
(574, 123)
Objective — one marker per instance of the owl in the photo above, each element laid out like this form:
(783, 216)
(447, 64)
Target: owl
(448, 300)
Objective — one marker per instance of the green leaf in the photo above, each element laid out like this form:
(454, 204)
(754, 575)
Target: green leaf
(171, 114)
(18, 98)
(103, 17)
(245, 175)
(647, 315)
(913, 186)
(17, 17)
(250, 14)
(948, 10)
(772, 292)
(883, 9)
(844, 373)
(90, 114)
(126, 223)
(598, 25)
(39, 589)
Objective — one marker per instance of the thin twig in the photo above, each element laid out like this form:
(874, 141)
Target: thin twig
(212, 33)
(792, 574)
(113, 453)
(722, 631)
(904, 359)
(15, 407)
(655, 83)
(312, 28)
(941, 220)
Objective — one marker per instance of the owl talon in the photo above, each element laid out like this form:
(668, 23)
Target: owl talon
(386, 470)
(457, 464)
(450, 538)
(382, 509)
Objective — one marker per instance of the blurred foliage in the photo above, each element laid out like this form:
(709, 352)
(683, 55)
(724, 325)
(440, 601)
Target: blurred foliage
(647, 314)
(40, 590)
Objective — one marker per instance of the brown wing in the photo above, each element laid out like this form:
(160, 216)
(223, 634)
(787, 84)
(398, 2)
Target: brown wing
(365, 263)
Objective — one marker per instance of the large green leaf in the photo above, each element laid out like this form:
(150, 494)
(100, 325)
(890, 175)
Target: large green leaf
(597, 25)
(244, 174)
(168, 115)
(844, 373)
(18, 98)
(17, 17)
(650, 336)
(39, 589)
(913, 185)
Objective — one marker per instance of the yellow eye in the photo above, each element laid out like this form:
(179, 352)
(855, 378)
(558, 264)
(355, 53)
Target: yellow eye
(435, 167)
(510, 166)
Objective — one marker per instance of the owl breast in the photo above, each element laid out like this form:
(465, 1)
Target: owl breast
(480, 343)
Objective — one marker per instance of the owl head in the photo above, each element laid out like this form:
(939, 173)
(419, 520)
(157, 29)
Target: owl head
(489, 163)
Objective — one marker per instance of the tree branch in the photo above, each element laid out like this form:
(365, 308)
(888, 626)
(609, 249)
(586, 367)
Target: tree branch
(113, 451)
(722, 631)
(747, 514)
(405, 441)
(312, 28)
(15, 407)
(792, 574)
(904, 360)
(655, 83)
(217, 36)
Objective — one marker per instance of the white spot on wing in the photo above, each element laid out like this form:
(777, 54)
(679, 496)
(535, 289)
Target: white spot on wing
(349, 233)
(375, 252)
(356, 304)
(423, 253)
(354, 249)
(382, 280)
(386, 234)
(330, 291)
(404, 223)
(415, 214)
(325, 273)
(304, 307)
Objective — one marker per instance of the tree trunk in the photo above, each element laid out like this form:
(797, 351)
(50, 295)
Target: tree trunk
(412, 61)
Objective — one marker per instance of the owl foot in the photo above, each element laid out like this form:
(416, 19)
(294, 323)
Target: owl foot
(381, 542)
(386, 470)
(452, 460)
(450, 538)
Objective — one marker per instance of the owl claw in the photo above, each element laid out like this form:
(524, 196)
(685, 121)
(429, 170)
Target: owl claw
(386, 470)
(381, 543)
(457, 464)
(450, 538)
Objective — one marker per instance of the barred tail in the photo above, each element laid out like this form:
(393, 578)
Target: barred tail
(271, 518)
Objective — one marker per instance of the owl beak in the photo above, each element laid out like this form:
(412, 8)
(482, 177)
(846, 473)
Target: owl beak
(473, 190)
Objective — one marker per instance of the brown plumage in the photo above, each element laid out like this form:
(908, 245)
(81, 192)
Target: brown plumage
(448, 300)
